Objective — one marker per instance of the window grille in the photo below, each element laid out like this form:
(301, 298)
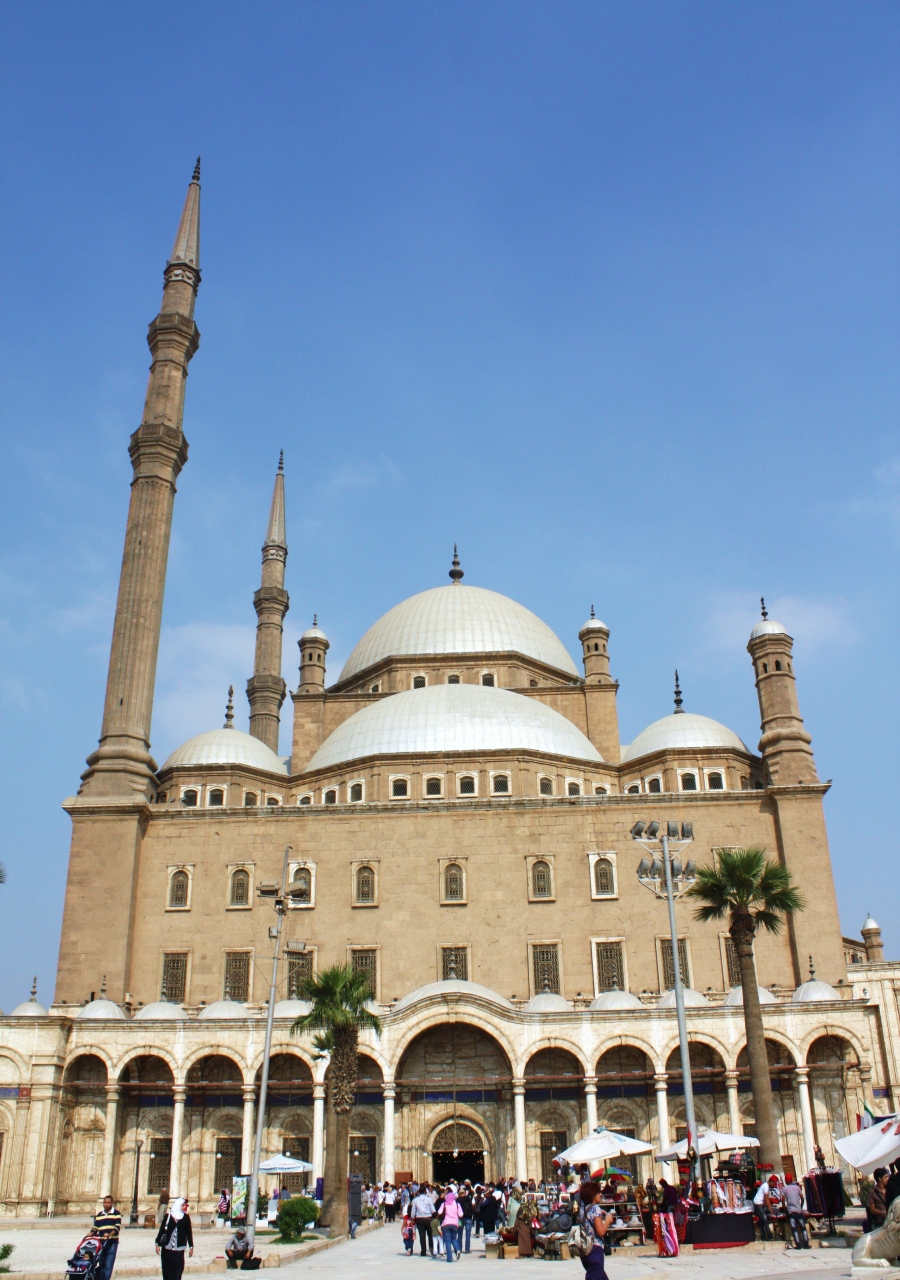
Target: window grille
(418, 682)
(362, 1157)
(296, 1146)
(160, 1165)
(541, 880)
(178, 889)
(251, 799)
(299, 968)
(688, 782)
(453, 679)
(551, 1145)
(375, 688)
(669, 968)
(600, 791)
(399, 788)
(604, 878)
(610, 966)
(574, 789)
(216, 798)
(366, 962)
(174, 976)
(731, 962)
(305, 800)
(189, 799)
(546, 786)
(715, 782)
(654, 786)
(501, 785)
(240, 889)
(634, 789)
(365, 884)
(467, 786)
(433, 786)
(545, 963)
(237, 975)
(330, 797)
(455, 963)
(453, 882)
(488, 679)
(273, 800)
(228, 1160)
(301, 885)
(356, 792)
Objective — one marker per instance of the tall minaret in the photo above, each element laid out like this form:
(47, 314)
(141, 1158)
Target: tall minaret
(122, 763)
(266, 688)
(785, 744)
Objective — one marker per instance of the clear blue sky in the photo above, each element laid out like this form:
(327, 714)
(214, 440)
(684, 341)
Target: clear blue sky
(606, 292)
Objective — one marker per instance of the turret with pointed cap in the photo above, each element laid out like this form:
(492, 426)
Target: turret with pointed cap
(266, 688)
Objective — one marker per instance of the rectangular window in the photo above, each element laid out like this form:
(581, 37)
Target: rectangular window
(174, 976)
(362, 1156)
(299, 969)
(297, 1147)
(551, 1145)
(365, 960)
(668, 968)
(731, 960)
(454, 963)
(610, 966)
(237, 978)
(228, 1160)
(545, 965)
(160, 1165)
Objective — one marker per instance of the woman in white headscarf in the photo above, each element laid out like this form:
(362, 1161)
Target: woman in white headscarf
(175, 1235)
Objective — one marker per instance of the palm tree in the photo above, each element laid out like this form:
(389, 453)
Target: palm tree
(753, 892)
(339, 998)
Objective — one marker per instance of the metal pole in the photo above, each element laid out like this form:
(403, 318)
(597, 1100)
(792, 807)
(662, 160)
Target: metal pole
(253, 1197)
(682, 1021)
(137, 1168)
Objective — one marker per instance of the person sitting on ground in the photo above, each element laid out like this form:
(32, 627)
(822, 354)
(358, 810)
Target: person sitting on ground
(876, 1206)
(238, 1249)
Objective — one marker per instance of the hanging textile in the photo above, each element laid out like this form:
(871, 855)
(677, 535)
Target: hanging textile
(665, 1235)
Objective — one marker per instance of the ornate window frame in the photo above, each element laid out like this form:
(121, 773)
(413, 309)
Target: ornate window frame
(694, 773)
(686, 979)
(432, 777)
(722, 771)
(654, 777)
(356, 782)
(175, 951)
(620, 939)
(250, 868)
(593, 858)
(465, 947)
(356, 865)
(500, 773)
(228, 950)
(293, 866)
(530, 860)
(368, 946)
(574, 782)
(468, 773)
(399, 777)
(188, 869)
(548, 777)
(443, 864)
(545, 942)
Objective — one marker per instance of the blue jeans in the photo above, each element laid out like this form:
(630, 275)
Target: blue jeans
(467, 1227)
(108, 1261)
(451, 1241)
(594, 1266)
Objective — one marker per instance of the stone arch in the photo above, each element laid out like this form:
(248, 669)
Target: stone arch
(282, 1050)
(84, 1128)
(147, 1051)
(630, 1041)
(777, 1045)
(458, 1050)
(708, 1079)
(554, 1063)
(832, 1050)
(823, 1029)
(211, 1052)
(146, 1068)
(672, 1051)
(551, 1043)
(449, 1133)
(835, 1088)
(81, 1066)
(13, 1069)
(428, 1021)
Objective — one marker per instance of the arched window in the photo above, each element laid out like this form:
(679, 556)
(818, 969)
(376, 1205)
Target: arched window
(453, 679)
(215, 798)
(399, 788)
(777, 665)
(418, 682)
(272, 800)
(301, 885)
(596, 648)
(467, 786)
(488, 679)
(634, 789)
(305, 800)
(604, 879)
(688, 782)
(251, 799)
(365, 885)
(600, 791)
(433, 787)
(189, 799)
(715, 782)
(541, 880)
(178, 889)
(240, 889)
(573, 788)
(654, 786)
(766, 667)
(375, 688)
(453, 882)
(500, 784)
(532, 684)
(356, 792)
(545, 786)
(330, 797)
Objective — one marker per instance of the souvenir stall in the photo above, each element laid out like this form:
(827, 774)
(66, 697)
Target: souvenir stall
(720, 1213)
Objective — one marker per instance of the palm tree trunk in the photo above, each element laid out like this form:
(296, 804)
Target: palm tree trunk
(328, 1173)
(340, 1216)
(344, 1069)
(760, 1084)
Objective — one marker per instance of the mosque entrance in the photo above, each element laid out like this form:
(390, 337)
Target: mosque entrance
(458, 1154)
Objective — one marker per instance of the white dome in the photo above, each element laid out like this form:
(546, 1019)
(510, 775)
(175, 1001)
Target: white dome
(453, 986)
(226, 746)
(29, 1009)
(458, 620)
(615, 999)
(314, 633)
(292, 1008)
(593, 624)
(459, 718)
(736, 996)
(813, 991)
(160, 1011)
(224, 1009)
(548, 1002)
(682, 730)
(870, 923)
(692, 999)
(101, 1009)
(768, 627)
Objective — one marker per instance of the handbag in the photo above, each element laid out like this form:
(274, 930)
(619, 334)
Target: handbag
(581, 1240)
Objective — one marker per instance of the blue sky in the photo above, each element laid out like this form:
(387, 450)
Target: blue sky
(606, 293)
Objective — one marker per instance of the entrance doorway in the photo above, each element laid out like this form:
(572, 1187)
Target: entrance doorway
(465, 1164)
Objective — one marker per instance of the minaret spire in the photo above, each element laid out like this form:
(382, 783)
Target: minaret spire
(266, 688)
(122, 763)
(455, 572)
(679, 709)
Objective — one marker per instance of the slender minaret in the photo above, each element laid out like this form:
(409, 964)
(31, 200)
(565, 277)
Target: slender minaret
(785, 744)
(266, 687)
(122, 763)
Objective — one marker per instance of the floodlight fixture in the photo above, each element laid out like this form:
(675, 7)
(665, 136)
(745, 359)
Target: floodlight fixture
(268, 889)
(687, 830)
(643, 868)
(652, 831)
(672, 830)
(676, 868)
(638, 830)
(690, 870)
(656, 869)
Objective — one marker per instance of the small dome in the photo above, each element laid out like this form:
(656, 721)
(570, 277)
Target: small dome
(452, 987)
(615, 999)
(225, 746)
(29, 1009)
(315, 634)
(292, 1008)
(224, 1009)
(870, 924)
(160, 1011)
(593, 624)
(548, 1002)
(814, 991)
(736, 996)
(692, 999)
(767, 627)
(682, 730)
(101, 1009)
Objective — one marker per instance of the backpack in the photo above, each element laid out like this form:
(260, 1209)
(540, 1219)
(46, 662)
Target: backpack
(581, 1239)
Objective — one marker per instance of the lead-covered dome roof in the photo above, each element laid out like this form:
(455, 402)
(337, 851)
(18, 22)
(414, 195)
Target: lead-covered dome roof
(458, 620)
(682, 729)
(457, 718)
(226, 746)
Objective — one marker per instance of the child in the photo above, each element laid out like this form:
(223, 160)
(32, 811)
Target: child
(408, 1231)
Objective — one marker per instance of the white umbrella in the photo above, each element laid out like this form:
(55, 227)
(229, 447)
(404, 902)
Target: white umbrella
(708, 1142)
(284, 1164)
(877, 1145)
(603, 1144)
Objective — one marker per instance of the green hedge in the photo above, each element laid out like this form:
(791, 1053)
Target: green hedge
(294, 1215)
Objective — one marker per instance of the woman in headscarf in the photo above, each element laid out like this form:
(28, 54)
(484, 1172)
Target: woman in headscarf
(524, 1215)
(174, 1237)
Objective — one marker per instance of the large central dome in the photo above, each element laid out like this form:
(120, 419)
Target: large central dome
(458, 620)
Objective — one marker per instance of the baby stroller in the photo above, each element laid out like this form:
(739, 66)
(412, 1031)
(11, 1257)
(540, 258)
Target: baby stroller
(84, 1263)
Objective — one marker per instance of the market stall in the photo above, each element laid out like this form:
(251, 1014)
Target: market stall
(722, 1217)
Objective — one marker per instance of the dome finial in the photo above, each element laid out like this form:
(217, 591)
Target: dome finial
(315, 619)
(103, 988)
(34, 988)
(281, 461)
(762, 608)
(679, 709)
(196, 177)
(229, 709)
(456, 573)
(593, 615)
(812, 970)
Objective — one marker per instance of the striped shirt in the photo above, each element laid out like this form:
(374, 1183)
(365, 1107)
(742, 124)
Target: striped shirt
(107, 1225)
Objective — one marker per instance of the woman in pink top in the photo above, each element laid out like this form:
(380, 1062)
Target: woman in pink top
(450, 1218)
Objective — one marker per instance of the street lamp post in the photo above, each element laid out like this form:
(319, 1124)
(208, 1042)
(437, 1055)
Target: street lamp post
(133, 1220)
(666, 878)
(279, 898)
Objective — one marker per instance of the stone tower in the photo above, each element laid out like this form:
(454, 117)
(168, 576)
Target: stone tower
(785, 744)
(594, 637)
(122, 764)
(313, 648)
(266, 687)
(600, 689)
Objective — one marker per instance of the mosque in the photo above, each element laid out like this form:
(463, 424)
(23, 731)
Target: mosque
(456, 809)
